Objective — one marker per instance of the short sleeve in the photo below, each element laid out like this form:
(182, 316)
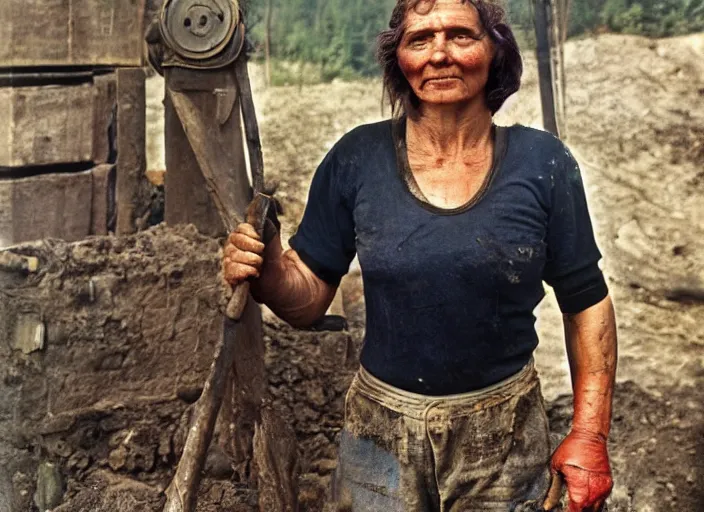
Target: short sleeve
(572, 254)
(325, 239)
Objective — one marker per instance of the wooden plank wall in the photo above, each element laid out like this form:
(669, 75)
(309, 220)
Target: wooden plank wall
(62, 128)
(57, 162)
(52, 205)
(46, 125)
(71, 33)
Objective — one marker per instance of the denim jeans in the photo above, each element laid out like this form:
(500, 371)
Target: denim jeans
(488, 450)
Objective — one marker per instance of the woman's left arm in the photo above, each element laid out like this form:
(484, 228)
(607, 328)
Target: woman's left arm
(582, 458)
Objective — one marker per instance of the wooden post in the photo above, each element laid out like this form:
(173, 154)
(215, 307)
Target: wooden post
(267, 40)
(542, 36)
(104, 116)
(187, 198)
(188, 201)
(132, 187)
(206, 165)
(102, 204)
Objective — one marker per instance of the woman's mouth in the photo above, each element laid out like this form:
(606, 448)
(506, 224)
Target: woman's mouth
(441, 81)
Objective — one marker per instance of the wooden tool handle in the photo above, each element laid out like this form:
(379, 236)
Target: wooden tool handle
(256, 216)
(555, 493)
(238, 301)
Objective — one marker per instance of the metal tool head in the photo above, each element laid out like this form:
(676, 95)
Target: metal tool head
(258, 211)
(199, 29)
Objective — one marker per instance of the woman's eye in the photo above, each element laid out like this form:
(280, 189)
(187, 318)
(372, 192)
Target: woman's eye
(463, 38)
(419, 42)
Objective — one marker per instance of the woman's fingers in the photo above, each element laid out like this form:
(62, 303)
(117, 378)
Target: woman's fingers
(244, 242)
(235, 272)
(242, 256)
(247, 229)
(248, 258)
(237, 255)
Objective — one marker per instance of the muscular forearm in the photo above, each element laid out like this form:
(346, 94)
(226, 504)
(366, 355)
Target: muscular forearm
(289, 288)
(592, 353)
(582, 458)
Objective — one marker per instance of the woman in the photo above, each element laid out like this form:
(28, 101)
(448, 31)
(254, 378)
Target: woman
(456, 222)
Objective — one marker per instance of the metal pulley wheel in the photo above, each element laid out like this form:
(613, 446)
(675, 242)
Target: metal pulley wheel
(199, 30)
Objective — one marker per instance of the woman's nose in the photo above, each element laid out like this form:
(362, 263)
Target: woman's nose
(439, 55)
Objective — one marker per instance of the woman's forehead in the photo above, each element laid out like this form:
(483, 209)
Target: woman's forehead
(427, 14)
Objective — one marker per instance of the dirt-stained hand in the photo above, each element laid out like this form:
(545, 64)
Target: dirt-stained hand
(242, 255)
(583, 461)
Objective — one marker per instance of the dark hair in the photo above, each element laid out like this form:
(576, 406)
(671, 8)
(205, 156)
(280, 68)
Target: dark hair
(504, 73)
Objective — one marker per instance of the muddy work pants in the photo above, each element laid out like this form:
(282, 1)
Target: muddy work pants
(487, 450)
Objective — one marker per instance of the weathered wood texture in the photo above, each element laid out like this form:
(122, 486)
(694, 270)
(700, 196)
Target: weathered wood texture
(68, 206)
(45, 206)
(187, 197)
(104, 109)
(103, 198)
(133, 191)
(45, 125)
(276, 462)
(245, 391)
(71, 33)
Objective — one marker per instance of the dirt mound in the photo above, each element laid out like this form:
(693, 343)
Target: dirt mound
(103, 349)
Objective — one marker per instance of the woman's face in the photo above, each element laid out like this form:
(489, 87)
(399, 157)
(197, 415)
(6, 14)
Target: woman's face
(445, 54)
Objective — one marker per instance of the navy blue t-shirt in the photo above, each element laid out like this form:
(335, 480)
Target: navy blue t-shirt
(450, 294)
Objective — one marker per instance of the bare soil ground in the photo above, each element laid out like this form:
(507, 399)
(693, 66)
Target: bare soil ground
(635, 111)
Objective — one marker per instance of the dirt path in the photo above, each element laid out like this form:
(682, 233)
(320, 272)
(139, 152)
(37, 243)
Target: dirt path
(635, 115)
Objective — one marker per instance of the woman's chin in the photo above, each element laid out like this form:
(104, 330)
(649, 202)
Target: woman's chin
(446, 100)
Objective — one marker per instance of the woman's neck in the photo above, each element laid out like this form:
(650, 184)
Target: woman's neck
(449, 130)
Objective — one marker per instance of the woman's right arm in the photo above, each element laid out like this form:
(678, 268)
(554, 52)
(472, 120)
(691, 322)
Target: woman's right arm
(278, 279)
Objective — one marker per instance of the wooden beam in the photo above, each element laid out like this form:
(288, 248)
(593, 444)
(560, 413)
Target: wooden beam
(46, 206)
(71, 33)
(133, 191)
(104, 111)
(103, 200)
(187, 198)
(45, 125)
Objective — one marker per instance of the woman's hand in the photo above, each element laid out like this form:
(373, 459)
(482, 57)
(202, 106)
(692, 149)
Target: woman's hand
(583, 461)
(582, 457)
(243, 255)
(284, 283)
